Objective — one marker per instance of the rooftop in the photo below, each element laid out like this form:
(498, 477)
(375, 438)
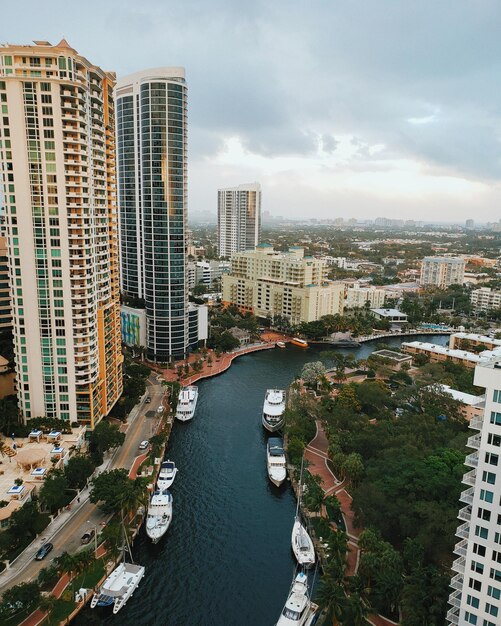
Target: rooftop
(464, 398)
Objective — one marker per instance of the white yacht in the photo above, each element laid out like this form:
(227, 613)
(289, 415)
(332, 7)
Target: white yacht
(120, 584)
(276, 463)
(302, 545)
(299, 610)
(159, 515)
(166, 475)
(187, 403)
(273, 409)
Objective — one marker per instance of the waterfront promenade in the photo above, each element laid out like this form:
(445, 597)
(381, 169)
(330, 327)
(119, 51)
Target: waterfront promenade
(317, 457)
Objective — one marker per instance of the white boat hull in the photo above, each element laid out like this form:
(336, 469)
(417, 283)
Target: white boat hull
(159, 516)
(119, 586)
(302, 545)
(272, 428)
(298, 610)
(187, 404)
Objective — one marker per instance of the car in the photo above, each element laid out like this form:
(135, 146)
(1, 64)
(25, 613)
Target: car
(160, 409)
(144, 445)
(148, 400)
(87, 537)
(43, 551)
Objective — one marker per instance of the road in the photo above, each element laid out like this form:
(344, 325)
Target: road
(65, 532)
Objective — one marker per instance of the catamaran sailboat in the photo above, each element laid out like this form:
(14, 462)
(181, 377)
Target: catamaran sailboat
(273, 409)
(166, 475)
(120, 584)
(299, 610)
(159, 515)
(187, 403)
(276, 463)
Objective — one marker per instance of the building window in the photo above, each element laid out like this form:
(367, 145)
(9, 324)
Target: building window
(491, 458)
(494, 440)
(472, 601)
(496, 396)
(486, 495)
(495, 418)
(489, 477)
(470, 618)
(491, 609)
(494, 592)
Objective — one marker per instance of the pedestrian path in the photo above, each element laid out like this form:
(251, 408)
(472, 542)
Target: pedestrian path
(317, 457)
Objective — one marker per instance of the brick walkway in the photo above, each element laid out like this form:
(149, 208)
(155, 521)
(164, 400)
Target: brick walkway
(316, 455)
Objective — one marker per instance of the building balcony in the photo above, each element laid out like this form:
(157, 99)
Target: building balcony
(470, 477)
(458, 565)
(461, 547)
(477, 422)
(457, 581)
(455, 599)
(465, 513)
(474, 441)
(467, 496)
(453, 616)
(472, 460)
(463, 531)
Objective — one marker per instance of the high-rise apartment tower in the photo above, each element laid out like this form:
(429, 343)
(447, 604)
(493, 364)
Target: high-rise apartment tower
(152, 190)
(57, 155)
(238, 218)
(476, 584)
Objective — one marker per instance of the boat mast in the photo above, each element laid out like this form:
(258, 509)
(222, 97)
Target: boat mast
(300, 489)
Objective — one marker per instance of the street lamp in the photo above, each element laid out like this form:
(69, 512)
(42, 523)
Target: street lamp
(94, 528)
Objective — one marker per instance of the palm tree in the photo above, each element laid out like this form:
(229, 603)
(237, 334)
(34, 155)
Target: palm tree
(356, 611)
(331, 598)
(66, 563)
(47, 604)
(113, 537)
(338, 546)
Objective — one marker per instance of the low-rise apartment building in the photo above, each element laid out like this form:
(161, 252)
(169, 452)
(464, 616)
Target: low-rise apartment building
(439, 354)
(357, 297)
(485, 299)
(473, 342)
(289, 284)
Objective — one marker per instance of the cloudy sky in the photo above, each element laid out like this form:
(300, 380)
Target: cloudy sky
(340, 108)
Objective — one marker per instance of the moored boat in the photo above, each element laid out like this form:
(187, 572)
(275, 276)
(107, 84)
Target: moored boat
(299, 610)
(273, 409)
(301, 343)
(187, 403)
(159, 515)
(280, 344)
(120, 584)
(302, 544)
(166, 475)
(276, 463)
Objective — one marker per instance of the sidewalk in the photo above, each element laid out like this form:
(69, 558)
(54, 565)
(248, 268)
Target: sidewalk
(316, 455)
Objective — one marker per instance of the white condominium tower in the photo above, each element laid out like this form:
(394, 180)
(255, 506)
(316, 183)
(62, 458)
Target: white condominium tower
(238, 218)
(476, 596)
(57, 156)
(152, 191)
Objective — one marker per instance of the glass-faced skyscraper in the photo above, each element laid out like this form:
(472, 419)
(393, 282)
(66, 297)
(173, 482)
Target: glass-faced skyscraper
(152, 188)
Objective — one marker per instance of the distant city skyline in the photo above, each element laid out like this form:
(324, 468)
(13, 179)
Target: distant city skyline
(349, 110)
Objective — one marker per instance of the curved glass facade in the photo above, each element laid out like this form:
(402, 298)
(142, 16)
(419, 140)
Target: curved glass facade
(151, 142)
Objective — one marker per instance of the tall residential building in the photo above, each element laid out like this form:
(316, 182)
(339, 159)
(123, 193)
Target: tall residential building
(238, 218)
(5, 308)
(358, 297)
(442, 271)
(152, 191)
(57, 154)
(485, 299)
(288, 284)
(476, 595)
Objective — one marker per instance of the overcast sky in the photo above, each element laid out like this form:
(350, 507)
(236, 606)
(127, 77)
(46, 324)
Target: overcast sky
(340, 108)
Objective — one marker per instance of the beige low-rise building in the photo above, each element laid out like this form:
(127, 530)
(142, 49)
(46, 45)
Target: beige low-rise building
(439, 354)
(471, 406)
(357, 297)
(473, 342)
(485, 299)
(288, 284)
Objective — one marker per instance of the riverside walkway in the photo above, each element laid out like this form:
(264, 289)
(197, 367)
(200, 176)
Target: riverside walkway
(317, 457)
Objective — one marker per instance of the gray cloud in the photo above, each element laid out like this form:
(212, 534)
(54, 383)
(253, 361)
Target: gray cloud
(288, 77)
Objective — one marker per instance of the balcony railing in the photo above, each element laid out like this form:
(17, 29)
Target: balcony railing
(455, 599)
(467, 496)
(470, 477)
(458, 565)
(472, 460)
(465, 514)
(477, 422)
(474, 441)
(463, 531)
(453, 616)
(460, 548)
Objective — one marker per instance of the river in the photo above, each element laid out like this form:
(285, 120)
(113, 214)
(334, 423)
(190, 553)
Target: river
(226, 559)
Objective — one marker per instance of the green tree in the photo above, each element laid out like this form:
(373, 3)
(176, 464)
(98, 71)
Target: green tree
(53, 494)
(104, 437)
(19, 598)
(115, 491)
(312, 373)
(331, 598)
(77, 470)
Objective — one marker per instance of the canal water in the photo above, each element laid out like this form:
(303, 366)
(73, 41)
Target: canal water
(226, 559)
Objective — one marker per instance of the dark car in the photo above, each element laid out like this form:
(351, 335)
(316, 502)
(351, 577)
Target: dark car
(148, 400)
(43, 552)
(87, 537)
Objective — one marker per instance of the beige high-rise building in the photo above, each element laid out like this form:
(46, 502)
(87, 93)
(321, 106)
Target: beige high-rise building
(238, 218)
(269, 283)
(485, 299)
(358, 297)
(57, 155)
(442, 271)
(5, 308)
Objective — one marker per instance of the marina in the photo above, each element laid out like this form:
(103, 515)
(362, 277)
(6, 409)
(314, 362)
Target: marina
(231, 543)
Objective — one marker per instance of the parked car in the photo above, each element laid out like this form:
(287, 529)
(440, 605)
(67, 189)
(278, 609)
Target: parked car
(43, 551)
(148, 400)
(87, 537)
(144, 445)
